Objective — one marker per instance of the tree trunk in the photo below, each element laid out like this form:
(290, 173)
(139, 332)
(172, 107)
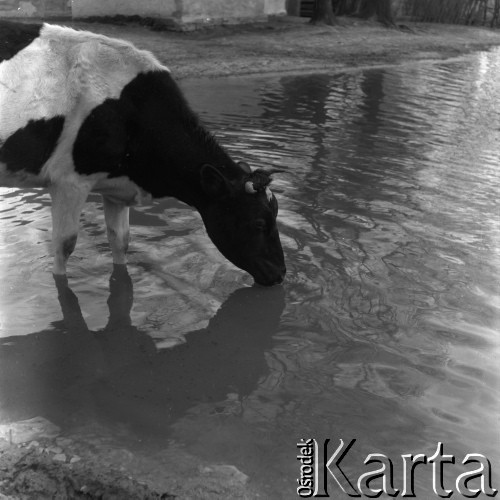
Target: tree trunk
(380, 9)
(496, 12)
(345, 7)
(323, 13)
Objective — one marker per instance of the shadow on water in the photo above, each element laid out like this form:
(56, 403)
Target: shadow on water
(117, 374)
(389, 218)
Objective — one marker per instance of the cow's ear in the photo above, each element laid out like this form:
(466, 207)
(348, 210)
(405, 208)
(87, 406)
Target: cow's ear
(213, 182)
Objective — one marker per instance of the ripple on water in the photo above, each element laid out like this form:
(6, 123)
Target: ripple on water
(389, 332)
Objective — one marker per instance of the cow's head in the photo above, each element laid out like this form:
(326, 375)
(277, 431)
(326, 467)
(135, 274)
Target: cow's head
(240, 218)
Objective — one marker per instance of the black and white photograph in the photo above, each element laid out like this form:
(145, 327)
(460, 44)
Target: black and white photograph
(249, 249)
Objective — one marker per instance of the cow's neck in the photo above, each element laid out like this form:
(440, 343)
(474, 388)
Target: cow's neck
(154, 139)
(183, 156)
(173, 139)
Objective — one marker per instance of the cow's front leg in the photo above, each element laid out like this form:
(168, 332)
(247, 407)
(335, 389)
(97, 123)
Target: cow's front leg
(68, 199)
(117, 225)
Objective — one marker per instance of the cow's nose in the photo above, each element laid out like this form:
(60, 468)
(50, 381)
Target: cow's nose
(281, 277)
(276, 280)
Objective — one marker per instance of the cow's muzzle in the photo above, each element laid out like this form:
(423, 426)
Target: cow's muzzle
(270, 278)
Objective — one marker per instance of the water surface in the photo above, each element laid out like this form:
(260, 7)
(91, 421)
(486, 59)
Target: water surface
(386, 330)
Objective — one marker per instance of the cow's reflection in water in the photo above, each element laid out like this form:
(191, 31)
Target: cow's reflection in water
(117, 375)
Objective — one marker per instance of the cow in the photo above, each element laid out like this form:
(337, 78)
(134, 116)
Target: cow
(81, 112)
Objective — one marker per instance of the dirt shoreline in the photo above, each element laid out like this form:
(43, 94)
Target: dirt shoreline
(279, 47)
(292, 46)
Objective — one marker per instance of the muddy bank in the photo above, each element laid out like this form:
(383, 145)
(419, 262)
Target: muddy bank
(36, 473)
(67, 468)
(38, 462)
(291, 45)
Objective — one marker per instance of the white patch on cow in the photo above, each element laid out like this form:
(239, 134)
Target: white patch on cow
(66, 73)
(249, 187)
(68, 199)
(121, 190)
(269, 194)
(117, 228)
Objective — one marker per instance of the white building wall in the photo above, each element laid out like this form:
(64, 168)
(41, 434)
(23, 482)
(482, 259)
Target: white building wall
(144, 8)
(183, 10)
(274, 7)
(35, 8)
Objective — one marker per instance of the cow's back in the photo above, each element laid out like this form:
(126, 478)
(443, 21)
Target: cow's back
(51, 77)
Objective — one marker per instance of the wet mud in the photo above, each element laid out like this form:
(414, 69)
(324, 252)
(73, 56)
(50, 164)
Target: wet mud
(34, 471)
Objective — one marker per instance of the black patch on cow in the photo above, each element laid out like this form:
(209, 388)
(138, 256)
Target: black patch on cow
(31, 146)
(14, 37)
(149, 134)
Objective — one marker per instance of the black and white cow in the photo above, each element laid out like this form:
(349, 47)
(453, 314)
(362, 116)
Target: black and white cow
(81, 113)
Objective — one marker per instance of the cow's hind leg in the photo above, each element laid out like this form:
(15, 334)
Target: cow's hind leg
(117, 224)
(68, 199)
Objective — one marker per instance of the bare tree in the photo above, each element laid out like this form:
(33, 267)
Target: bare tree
(378, 9)
(323, 12)
(381, 10)
(496, 12)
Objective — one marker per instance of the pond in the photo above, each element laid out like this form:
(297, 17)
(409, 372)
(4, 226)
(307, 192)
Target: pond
(385, 330)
